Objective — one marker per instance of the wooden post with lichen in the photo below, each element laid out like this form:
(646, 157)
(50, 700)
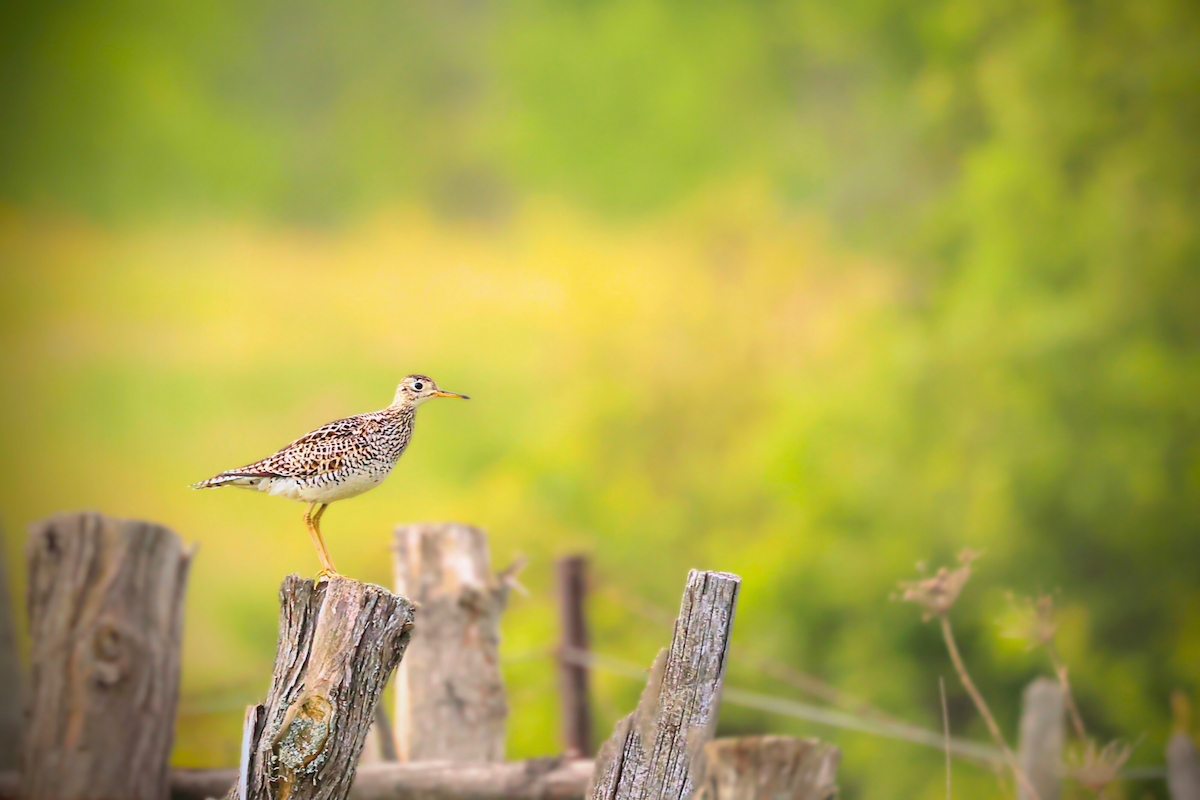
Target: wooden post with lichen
(766, 768)
(653, 753)
(338, 644)
(105, 603)
(450, 698)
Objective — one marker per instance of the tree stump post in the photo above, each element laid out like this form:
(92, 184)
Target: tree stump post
(105, 601)
(1040, 740)
(768, 768)
(652, 753)
(450, 698)
(338, 644)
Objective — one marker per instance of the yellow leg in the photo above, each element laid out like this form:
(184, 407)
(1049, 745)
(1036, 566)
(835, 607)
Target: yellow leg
(313, 522)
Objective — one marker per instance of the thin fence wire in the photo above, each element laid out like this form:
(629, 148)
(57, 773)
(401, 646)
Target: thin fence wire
(978, 752)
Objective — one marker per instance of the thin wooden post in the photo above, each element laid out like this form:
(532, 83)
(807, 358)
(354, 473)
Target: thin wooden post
(105, 600)
(338, 644)
(768, 768)
(574, 696)
(450, 699)
(652, 753)
(10, 675)
(1040, 741)
(1183, 768)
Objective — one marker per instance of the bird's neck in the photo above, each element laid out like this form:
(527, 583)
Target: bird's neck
(400, 411)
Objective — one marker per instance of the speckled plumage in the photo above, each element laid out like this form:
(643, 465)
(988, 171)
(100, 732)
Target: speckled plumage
(338, 460)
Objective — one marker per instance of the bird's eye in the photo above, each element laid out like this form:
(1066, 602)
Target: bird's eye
(418, 386)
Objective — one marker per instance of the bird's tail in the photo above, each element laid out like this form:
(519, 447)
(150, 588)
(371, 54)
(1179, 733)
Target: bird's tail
(226, 479)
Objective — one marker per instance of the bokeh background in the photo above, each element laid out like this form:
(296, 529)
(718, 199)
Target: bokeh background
(810, 291)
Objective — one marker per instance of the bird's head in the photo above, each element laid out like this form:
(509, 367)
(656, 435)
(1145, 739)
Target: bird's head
(416, 389)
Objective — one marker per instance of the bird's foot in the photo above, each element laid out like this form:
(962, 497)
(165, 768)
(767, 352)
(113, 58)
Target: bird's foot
(328, 575)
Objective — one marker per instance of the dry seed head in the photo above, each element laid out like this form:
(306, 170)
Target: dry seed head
(938, 594)
(1096, 769)
(1032, 620)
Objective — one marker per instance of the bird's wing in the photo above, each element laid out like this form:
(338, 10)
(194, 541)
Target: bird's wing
(324, 450)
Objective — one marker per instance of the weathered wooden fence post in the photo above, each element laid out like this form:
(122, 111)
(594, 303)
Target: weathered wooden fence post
(450, 699)
(1040, 740)
(767, 768)
(572, 676)
(338, 644)
(652, 753)
(1183, 762)
(105, 604)
(10, 675)
(1183, 768)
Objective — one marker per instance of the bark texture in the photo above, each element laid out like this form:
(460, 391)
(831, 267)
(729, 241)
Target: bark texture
(1040, 742)
(768, 768)
(105, 601)
(450, 699)
(338, 644)
(652, 753)
(538, 779)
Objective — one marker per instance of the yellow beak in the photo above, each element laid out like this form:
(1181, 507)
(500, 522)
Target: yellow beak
(440, 393)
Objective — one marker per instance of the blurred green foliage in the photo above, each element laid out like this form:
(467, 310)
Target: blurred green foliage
(804, 290)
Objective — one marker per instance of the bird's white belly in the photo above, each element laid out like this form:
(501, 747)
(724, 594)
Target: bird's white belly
(316, 490)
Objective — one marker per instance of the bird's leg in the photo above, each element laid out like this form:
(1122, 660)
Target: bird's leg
(328, 570)
(311, 521)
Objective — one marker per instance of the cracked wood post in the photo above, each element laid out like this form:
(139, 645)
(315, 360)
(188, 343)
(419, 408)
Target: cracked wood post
(338, 644)
(105, 601)
(450, 698)
(653, 752)
(574, 696)
(10, 675)
(1040, 741)
(767, 768)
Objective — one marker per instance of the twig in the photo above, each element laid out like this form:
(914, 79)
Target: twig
(945, 730)
(1060, 670)
(981, 704)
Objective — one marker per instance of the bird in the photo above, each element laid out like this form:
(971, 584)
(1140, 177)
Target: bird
(337, 461)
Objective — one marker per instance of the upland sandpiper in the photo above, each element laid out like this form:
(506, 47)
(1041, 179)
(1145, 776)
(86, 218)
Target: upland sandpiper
(337, 461)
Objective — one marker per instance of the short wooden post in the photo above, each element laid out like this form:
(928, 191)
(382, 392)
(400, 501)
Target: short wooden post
(573, 676)
(450, 699)
(105, 604)
(652, 753)
(768, 768)
(10, 675)
(1040, 741)
(1183, 768)
(338, 644)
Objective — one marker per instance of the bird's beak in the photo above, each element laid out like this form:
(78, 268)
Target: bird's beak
(440, 393)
